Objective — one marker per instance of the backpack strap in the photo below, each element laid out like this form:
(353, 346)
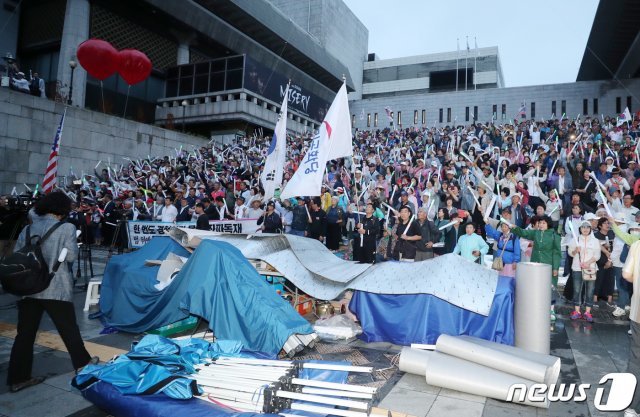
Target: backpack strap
(49, 232)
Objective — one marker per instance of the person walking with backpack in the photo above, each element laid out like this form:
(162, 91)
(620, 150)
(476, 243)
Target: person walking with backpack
(56, 299)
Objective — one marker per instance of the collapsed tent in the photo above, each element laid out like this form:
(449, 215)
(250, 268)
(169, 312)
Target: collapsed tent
(160, 377)
(311, 267)
(217, 283)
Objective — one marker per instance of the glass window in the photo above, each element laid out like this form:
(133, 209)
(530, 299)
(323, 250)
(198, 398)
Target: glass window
(629, 102)
(216, 81)
(533, 110)
(368, 119)
(353, 120)
(440, 116)
(201, 84)
(618, 105)
(399, 118)
(585, 106)
(234, 79)
(415, 117)
(424, 117)
(466, 114)
(237, 62)
(475, 113)
(375, 119)
(448, 114)
(595, 106)
(553, 108)
(172, 88)
(186, 86)
(218, 65)
(504, 111)
(495, 111)
(563, 104)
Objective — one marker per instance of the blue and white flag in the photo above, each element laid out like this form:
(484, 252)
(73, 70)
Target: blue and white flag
(332, 141)
(277, 154)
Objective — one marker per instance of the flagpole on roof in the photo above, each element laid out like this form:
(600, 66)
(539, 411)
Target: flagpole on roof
(475, 65)
(466, 65)
(457, 60)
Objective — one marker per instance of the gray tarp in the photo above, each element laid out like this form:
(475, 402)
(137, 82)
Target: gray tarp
(311, 267)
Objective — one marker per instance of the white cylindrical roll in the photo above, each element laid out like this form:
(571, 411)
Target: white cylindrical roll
(532, 318)
(492, 358)
(551, 362)
(63, 255)
(414, 361)
(458, 374)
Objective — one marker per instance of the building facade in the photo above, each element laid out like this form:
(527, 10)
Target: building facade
(464, 70)
(218, 65)
(502, 105)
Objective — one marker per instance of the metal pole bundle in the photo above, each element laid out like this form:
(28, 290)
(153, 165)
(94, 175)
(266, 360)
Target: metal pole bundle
(270, 386)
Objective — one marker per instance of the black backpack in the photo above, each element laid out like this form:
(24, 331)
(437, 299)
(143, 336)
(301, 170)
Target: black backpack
(25, 272)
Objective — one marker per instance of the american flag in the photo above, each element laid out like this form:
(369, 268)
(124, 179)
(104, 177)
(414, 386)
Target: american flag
(51, 173)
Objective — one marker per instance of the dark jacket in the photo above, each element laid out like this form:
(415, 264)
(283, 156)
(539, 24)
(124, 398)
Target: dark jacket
(183, 214)
(451, 238)
(300, 219)
(203, 222)
(406, 247)
(429, 233)
(318, 225)
(272, 222)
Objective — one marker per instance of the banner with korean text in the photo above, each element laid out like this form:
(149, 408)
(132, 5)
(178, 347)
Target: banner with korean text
(141, 232)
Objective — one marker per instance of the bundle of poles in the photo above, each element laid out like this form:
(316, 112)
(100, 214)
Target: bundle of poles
(272, 386)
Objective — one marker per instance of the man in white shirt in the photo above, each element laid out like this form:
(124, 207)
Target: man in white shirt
(169, 211)
(627, 210)
(240, 209)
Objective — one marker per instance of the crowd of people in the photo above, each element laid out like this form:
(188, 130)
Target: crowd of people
(18, 81)
(562, 192)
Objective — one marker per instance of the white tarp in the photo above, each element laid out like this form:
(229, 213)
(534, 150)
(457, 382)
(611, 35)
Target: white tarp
(312, 268)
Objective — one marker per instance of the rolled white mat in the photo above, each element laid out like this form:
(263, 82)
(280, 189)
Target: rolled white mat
(461, 375)
(532, 316)
(414, 361)
(492, 358)
(551, 362)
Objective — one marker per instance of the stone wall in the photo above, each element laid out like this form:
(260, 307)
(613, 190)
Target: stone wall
(28, 125)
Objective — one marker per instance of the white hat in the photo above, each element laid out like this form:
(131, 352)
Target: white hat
(591, 216)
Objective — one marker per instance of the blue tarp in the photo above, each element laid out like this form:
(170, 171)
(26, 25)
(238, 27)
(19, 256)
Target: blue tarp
(421, 318)
(128, 299)
(217, 283)
(225, 289)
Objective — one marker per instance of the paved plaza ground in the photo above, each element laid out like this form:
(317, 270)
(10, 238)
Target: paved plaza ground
(587, 351)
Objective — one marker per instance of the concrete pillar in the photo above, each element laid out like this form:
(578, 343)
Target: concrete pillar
(183, 53)
(184, 41)
(75, 31)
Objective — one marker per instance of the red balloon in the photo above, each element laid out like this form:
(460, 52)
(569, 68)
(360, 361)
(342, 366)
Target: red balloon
(134, 66)
(98, 57)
